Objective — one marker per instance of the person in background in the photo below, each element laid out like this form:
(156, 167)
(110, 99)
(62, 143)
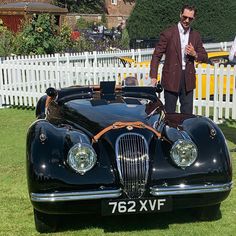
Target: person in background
(232, 53)
(101, 29)
(75, 34)
(95, 27)
(232, 57)
(121, 26)
(181, 46)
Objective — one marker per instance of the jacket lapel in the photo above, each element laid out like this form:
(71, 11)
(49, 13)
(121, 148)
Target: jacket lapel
(177, 43)
(190, 40)
(191, 37)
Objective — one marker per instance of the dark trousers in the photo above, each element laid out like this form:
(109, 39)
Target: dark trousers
(185, 99)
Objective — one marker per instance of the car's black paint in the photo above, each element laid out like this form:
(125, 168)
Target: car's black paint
(77, 114)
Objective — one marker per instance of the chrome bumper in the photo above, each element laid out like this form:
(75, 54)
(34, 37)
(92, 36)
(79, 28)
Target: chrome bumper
(183, 189)
(75, 196)
(115, 193)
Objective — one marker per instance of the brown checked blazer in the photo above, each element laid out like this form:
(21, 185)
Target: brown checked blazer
(169, 44)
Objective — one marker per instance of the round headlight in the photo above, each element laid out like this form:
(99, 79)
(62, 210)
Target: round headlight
(82, 158)
(183, 153)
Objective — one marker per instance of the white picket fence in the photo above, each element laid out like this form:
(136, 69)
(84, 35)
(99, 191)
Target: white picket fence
(103, 57)
(23, 84)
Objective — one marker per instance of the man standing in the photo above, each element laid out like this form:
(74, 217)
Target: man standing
(181, 46)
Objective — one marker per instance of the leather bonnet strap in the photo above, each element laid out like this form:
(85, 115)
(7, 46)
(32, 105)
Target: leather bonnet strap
(128, 125)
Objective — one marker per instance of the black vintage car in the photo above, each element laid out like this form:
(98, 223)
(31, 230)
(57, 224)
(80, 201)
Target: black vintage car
(114, 150)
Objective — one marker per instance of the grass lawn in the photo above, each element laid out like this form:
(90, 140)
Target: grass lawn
(16, 216)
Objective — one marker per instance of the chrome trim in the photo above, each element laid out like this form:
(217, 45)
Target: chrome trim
(132, 157)
(75, 196)
(190, 189)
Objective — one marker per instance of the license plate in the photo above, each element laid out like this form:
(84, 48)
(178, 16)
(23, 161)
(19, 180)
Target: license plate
(136, 206)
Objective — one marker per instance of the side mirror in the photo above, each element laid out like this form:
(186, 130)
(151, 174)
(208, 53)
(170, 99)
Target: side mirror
(159, 87)
(51, 92)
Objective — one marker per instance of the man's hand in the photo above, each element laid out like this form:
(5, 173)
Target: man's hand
(153, 82)
(189, 50)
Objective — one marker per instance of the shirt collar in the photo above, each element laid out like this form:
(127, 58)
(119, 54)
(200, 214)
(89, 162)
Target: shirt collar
(181, 29)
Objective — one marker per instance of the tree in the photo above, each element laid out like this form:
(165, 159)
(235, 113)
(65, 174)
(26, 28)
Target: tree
(37, 36)
(215, 19)
(40, 35)
(84, 6)
(6, 41)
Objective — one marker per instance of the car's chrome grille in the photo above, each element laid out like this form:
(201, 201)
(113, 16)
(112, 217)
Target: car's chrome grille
(133, 163)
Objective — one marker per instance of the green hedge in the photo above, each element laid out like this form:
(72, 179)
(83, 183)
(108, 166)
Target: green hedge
(215, 19)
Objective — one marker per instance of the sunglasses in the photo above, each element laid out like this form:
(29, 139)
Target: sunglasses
(186, 17)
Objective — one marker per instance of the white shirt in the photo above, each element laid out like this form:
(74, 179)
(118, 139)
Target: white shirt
(232, 56)
(184, 37)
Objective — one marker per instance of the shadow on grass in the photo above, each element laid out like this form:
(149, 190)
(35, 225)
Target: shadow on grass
(127, 223)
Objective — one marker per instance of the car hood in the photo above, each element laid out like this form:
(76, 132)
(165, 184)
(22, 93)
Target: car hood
(95, 115)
